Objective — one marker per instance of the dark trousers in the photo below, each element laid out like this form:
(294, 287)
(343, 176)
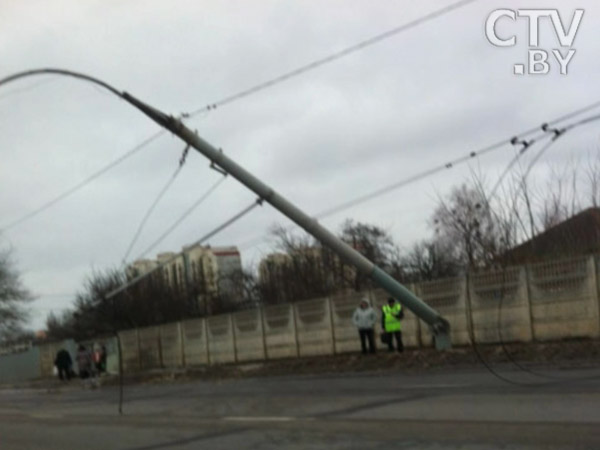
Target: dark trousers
(64, 373)
(367, 334)
(398, 335)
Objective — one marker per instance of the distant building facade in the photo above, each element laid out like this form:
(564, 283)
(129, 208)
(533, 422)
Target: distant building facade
(203, 272)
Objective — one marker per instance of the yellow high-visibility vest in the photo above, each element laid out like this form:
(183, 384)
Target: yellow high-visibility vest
(391, 322)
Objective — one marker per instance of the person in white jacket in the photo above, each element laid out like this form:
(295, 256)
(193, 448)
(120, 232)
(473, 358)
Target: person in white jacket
(365, 318)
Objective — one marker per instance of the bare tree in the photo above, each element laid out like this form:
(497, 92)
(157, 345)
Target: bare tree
(430, 260)
(466, 226)
(152, 301)
(592, 176)
(14, 298)
(306, 269)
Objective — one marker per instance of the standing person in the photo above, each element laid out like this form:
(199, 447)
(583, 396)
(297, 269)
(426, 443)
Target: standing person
(103, 358)
(390, 322)
(84, 362)
(97, 357)
(364, 319)
(63, 363)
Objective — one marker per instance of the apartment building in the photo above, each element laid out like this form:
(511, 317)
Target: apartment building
(202, 271)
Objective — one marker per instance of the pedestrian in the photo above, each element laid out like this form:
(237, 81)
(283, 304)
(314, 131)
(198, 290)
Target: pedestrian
(97, 358)
(63, 363)
(103, 358)
(390, 322)
(84, 362)
(364, 319)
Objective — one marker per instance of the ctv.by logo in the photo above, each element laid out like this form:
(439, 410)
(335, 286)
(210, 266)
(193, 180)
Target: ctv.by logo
(539, 61)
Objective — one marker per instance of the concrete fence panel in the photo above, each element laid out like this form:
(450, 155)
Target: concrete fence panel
(313, 322)
(130, 350)
(344, 331)
(24, 365)
(221, 344)
(410, 324)
(47, 355)
(500, 310)
(448, 297)
(149, 348)
(563, 298)
(280, 331)
(112, 354)
(249, 336)
(195, 345)
(170, 345)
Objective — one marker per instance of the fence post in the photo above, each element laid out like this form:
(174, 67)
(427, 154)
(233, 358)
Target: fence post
(595, 287)
(413, 288)
(232, 325)
(206, 346)
(182, 344)
(139, 349)
(529, 302)
(261, 311)
(469, 310)
(160, 349)
(330, 307)
(295, 322)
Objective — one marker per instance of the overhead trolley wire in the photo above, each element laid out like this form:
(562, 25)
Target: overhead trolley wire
(181, 218)
(146, 217)
(453, 163)
(83, 183)
(329, 58)
(226, 100)
(200, 241)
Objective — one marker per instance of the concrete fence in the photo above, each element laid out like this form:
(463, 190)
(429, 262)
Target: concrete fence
(548, 301)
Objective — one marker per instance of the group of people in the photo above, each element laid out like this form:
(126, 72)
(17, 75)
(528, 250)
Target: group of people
(90, 363)
(365, 319)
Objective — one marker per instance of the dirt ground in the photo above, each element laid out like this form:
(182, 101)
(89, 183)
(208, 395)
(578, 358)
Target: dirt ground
(569, 354)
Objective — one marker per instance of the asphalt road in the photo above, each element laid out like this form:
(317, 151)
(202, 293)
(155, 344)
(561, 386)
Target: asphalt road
(431, 410)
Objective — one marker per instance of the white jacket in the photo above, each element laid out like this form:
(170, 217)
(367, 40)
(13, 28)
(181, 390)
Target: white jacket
(364, 318)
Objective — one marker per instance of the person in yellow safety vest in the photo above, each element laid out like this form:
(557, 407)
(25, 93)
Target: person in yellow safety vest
(390, 322)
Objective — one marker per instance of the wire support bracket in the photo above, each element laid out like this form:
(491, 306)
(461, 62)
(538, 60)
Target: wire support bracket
(558, 132)
(525, 144)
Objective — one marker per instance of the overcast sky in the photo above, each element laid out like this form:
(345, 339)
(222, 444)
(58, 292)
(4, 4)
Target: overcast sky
(414, 101)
